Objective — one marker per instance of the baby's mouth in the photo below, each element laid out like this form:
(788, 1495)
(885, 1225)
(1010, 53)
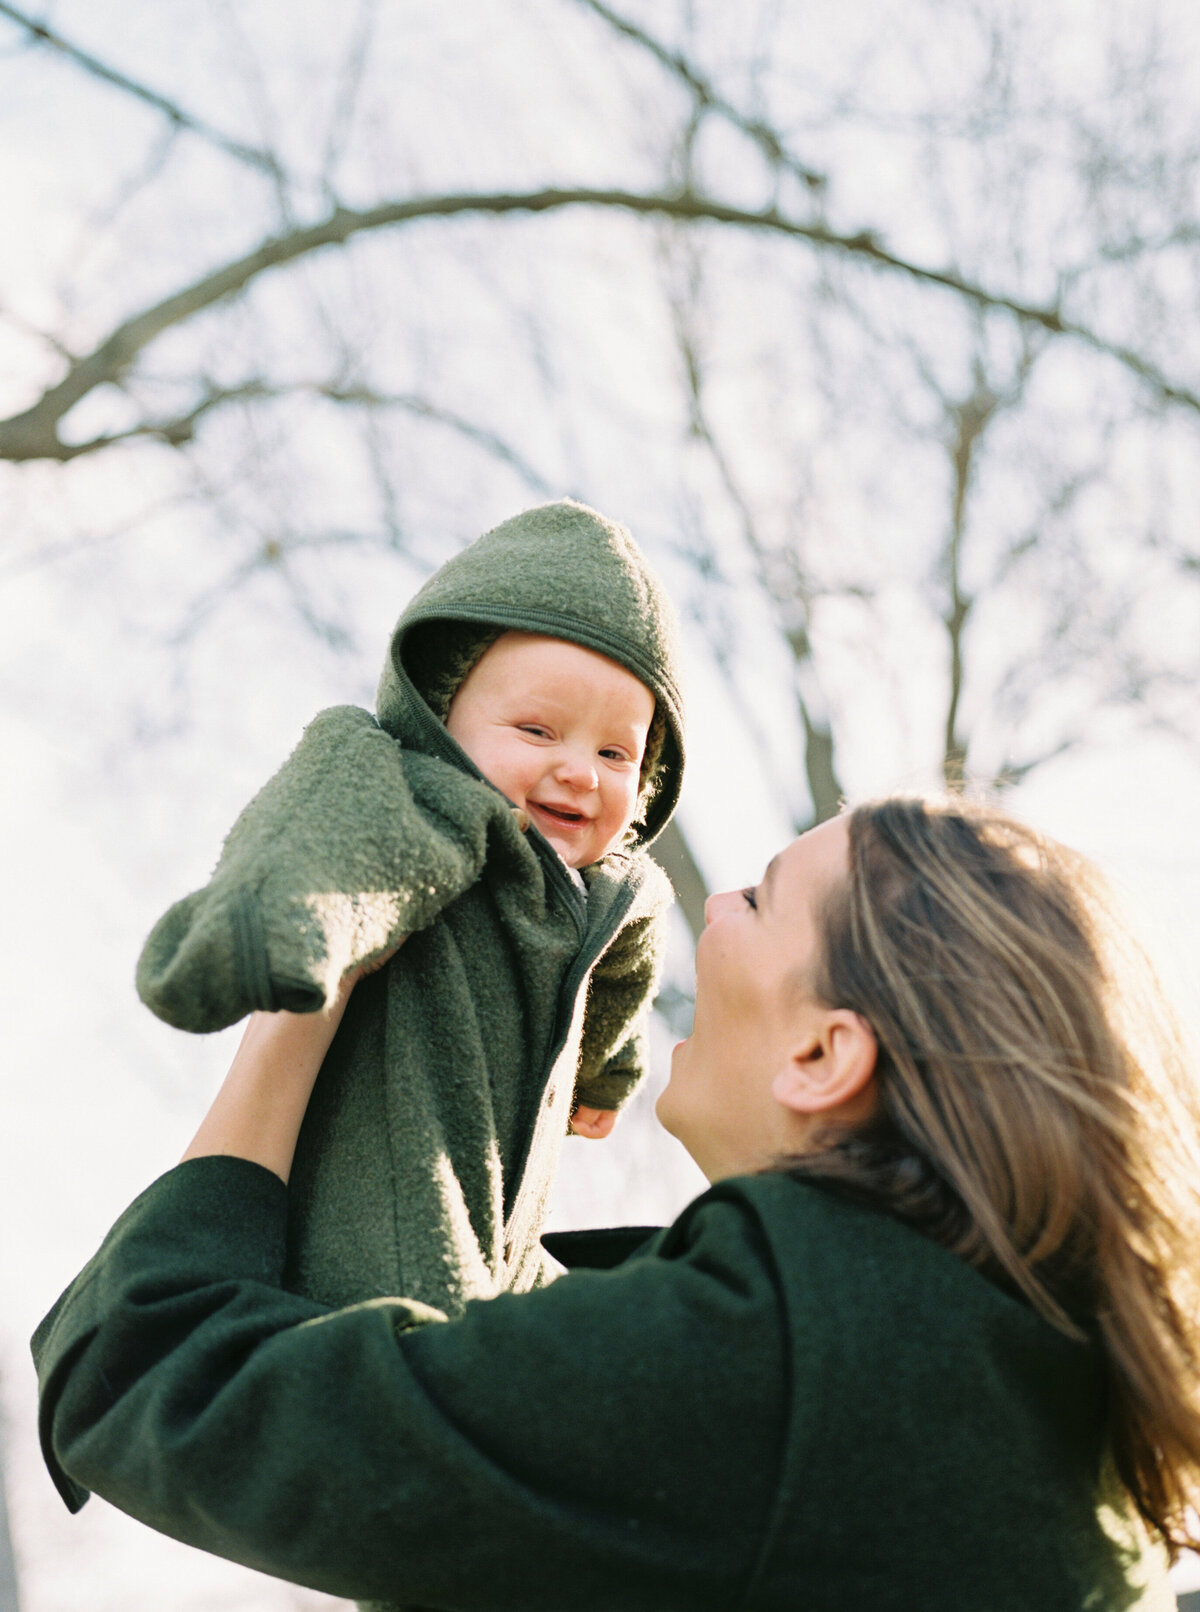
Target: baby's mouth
(562, 815)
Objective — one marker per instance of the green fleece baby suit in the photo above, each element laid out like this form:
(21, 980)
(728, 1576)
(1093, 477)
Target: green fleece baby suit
(429, 1148)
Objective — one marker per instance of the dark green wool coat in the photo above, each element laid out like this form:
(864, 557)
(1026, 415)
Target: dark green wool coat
(430, 1145)
(784, 1403)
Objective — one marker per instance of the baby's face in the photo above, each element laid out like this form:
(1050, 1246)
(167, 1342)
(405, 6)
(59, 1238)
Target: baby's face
(561, 730)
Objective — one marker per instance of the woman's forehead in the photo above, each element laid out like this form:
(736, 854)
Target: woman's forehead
(820, 857)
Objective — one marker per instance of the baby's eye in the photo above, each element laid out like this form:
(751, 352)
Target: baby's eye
(751, 900)
(534, 729)
(612, 754)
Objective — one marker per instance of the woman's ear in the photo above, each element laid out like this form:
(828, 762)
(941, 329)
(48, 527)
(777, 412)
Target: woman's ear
(832, 1067)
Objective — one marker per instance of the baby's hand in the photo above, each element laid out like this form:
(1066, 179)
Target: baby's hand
(596, 1123)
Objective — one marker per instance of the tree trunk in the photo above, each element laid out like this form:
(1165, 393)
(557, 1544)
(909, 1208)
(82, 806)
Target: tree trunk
(673, 854)
(823, 783)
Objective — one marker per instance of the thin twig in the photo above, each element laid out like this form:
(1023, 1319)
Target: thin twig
(265, 161)
(707, 97)
(178, 430)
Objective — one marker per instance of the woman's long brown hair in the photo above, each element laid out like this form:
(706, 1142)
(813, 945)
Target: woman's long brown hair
(1036, 1114)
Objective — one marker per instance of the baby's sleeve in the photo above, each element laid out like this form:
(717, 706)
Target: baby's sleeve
(615, 1050)
(352, 845)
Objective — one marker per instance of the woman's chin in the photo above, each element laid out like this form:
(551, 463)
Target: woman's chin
(664, 1108)
(672, 1106)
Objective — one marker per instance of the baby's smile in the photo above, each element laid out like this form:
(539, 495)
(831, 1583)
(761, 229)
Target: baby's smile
(565, 815)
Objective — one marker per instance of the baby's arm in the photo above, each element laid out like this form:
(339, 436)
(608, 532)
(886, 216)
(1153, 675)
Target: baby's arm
(621, 991)
(354, 843)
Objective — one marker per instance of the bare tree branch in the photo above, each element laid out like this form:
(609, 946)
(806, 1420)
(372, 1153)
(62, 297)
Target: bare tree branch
(1013, 773)
(1136, 246)
(34, 434)
(781, 579)
(708, 98)
(264, 161)
(1107, 669)
(181, 429)
(69, 549)
(145, 174)
(1185, 559)
(255, 87)
(11, 316)
(176, 430)
(349, 86)
(482, 436)
(970, 419)
(274, 552)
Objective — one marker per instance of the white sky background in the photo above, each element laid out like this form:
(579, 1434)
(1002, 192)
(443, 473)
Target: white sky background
(148, 686)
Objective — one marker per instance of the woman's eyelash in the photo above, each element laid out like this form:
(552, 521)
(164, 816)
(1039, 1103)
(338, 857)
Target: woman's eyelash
(750, 899)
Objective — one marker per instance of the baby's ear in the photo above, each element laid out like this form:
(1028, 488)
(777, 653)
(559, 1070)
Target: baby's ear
(650, 776)
(594, 1123)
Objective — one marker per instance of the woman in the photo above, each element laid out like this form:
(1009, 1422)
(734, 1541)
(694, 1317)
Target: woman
(929, 1341)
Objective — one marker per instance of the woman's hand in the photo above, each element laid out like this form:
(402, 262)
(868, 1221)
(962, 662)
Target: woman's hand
(258, 1111)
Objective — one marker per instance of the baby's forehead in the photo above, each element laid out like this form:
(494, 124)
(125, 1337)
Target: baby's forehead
(560, 670)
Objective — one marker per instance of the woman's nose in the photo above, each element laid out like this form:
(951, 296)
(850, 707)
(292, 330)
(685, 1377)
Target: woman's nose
(719, 903)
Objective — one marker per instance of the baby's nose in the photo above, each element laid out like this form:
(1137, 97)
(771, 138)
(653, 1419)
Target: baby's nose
(578, 770)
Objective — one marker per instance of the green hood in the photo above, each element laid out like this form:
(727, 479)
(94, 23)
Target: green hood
(566, 571)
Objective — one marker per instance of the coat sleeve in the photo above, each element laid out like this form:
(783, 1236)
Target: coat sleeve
(353, 844)
(613, 1439)
(614, 1054)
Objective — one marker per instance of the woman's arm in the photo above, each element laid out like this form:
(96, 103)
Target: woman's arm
(587, 1445)
(257, 1113)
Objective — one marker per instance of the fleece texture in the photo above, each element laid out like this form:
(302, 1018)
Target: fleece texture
(430, 1144)
(784, 1401)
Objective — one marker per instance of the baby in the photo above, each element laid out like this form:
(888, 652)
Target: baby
(562, 731)
(527, 749)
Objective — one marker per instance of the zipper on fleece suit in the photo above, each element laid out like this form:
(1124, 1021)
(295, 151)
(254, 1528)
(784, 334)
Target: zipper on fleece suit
(558, 1074)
